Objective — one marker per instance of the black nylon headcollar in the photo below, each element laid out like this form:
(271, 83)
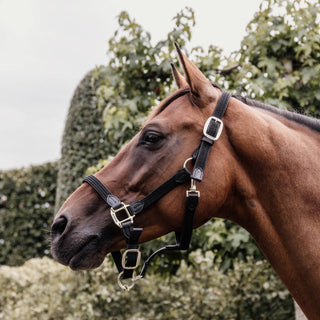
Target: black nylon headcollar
(128, 261)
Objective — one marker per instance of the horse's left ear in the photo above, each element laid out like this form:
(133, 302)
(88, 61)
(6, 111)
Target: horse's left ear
(201, 88)
(178, 78)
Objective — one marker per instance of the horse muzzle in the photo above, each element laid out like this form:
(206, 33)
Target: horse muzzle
(78, 249)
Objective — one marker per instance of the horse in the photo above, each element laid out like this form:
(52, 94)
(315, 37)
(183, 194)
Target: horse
(262, 173)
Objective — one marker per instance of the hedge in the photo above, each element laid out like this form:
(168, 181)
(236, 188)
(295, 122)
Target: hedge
(83, 142)
(26, 216)
(43, 289)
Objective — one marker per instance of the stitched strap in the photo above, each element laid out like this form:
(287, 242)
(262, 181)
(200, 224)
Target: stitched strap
(212, 130)
(103, 191)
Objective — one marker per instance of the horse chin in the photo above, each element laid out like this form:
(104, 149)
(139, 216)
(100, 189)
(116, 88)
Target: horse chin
(81, 262)
(88, 256)
(83, 255)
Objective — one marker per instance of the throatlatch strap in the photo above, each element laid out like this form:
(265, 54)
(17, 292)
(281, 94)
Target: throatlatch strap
(211, 130)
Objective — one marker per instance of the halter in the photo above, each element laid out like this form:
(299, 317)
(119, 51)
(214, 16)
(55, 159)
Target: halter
(123, 214)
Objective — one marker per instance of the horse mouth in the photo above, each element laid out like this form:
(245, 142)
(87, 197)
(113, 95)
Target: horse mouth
(86, 256)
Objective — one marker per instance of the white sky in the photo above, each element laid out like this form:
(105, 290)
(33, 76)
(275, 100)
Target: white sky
(46, 47)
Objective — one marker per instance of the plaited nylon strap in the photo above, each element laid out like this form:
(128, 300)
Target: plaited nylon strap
(207, 142)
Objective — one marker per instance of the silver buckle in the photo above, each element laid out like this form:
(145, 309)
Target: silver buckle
(218, 134)
(124, 208)
(124, 257)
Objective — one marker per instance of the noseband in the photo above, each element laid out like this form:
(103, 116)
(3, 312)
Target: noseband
(128, 261)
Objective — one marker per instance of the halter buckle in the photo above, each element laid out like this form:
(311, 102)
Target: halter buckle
(124, 207)
(207, 125)
(124, 259)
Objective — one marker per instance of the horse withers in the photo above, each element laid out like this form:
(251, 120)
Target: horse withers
(262, 173)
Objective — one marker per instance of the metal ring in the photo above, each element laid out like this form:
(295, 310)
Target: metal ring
(127, 287)
(186, 162)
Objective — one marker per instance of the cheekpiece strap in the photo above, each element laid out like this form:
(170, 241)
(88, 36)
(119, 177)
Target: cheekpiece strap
(211, 132)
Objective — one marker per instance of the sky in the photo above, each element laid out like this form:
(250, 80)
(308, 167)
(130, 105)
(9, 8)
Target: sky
(46, 47)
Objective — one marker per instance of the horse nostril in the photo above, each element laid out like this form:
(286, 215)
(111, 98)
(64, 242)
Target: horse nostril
(59, 226)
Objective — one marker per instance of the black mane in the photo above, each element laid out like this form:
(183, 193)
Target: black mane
(311, 123)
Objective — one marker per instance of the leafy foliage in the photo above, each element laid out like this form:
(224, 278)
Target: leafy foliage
(280, 56)
(42, 289)
(27, 215)
(141, 75)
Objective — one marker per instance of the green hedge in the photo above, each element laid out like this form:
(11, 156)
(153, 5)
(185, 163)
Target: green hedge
(83, 142)
(43, 289)
(26, 217)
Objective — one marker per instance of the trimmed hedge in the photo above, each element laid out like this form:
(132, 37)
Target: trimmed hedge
(43, 289)
(83, 142)
(26, 216)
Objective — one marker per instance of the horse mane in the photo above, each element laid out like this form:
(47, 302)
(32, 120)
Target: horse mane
(309, 122)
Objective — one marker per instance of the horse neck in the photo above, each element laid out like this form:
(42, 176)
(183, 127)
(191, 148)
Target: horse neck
(276, 197)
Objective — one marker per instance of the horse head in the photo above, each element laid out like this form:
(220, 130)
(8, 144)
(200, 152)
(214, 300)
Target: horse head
(83, 231)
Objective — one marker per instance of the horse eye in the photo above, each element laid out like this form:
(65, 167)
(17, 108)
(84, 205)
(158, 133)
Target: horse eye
(151, 138)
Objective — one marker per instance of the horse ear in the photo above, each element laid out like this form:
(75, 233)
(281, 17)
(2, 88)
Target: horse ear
(178, 78)
(201, 88)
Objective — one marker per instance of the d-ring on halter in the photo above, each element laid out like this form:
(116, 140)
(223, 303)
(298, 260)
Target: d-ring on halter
(128, 261)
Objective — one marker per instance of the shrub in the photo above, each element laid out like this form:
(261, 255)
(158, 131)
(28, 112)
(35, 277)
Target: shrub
(27, 214)
(42, 289)
(83, 142)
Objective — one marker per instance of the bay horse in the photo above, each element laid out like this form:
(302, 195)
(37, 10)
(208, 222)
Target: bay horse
(263, 174)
